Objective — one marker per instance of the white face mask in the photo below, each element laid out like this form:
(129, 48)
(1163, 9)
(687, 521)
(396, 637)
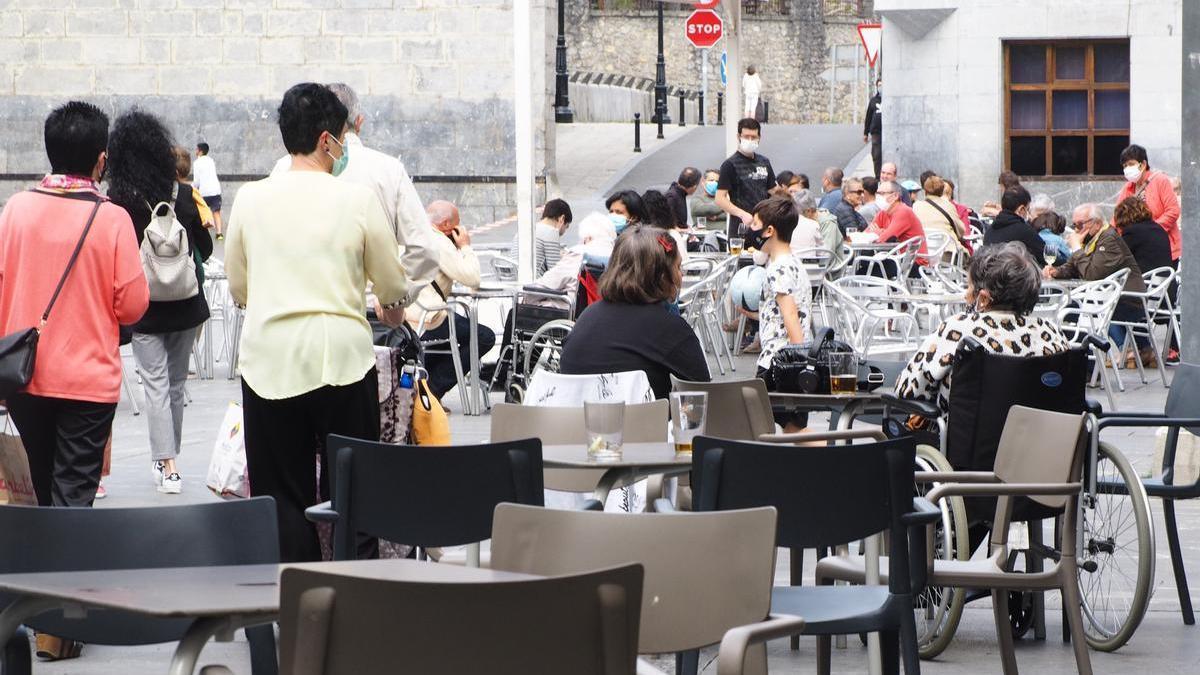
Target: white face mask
(882, 202)
(1133, 173)
(747, 145)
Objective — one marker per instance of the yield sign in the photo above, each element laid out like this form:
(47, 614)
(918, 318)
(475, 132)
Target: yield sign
(871, 35)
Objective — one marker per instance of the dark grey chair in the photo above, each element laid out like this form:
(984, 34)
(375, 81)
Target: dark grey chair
(41, 539)
(424, 495)
(831, 495)
(1182, 411)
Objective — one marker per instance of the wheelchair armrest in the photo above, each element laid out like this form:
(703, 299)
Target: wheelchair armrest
(1146, 420)
(923, 513)
(955, 477)
(1003, 489)
(911, 406)
(543, 290)
(1101, 343)
(1094, 407)
(321, 513)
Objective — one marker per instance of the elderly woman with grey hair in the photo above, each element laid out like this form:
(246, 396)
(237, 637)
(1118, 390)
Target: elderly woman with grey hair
(808, 230)
(1002, 287)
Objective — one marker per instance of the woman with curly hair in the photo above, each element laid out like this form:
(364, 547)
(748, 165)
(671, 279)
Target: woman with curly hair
(142, 176)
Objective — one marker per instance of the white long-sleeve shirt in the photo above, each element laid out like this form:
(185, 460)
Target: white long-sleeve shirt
(453, 264)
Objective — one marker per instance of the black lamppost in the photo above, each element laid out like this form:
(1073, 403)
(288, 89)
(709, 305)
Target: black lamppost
(562, 102)
(660, 77)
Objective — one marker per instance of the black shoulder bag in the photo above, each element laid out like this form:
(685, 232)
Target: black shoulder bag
(804, 369)
(18, 351)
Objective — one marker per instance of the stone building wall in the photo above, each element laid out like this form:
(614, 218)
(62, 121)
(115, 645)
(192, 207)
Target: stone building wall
(790, 52)
(435, 78)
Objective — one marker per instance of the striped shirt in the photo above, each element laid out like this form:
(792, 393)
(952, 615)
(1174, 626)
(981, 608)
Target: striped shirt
(547, 248)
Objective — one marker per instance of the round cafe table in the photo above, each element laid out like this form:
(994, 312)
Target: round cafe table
(638, 461)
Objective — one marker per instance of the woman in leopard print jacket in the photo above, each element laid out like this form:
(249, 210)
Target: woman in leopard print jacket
(1003, 284)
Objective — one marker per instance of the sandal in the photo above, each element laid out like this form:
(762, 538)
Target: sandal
(53, 648)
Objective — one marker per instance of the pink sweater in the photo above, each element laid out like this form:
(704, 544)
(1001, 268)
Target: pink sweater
(78, 352)
(1164, 206)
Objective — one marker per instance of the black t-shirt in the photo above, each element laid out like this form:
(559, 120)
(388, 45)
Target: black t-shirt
(616, 338)
(748, 179)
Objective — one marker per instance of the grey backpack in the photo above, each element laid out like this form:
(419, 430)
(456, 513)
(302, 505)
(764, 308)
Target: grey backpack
(166, 259)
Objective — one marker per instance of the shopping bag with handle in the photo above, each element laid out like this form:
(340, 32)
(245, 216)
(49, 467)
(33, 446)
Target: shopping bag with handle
(227, 474)
(430, 424)
(16, 487)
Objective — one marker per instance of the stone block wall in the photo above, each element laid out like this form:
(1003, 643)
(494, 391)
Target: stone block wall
(435, 76)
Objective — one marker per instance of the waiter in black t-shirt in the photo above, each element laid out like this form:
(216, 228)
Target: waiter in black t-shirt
(746, 178)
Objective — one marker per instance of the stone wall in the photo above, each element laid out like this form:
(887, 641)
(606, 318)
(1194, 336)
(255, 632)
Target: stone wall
(435, 77)
(790, 52)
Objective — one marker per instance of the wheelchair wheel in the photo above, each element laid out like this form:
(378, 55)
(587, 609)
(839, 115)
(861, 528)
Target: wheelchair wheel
(938, 609)
(545, 347)
(1116, 555)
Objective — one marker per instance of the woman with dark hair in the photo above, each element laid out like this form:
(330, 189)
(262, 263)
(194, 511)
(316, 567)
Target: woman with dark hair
(1050, 227)
(1147, 241)
(141, 177)
(301, 248)
(625, 208)
(659, 215)
(631, 328)
(1002, 287)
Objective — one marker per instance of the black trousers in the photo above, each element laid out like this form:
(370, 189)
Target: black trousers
(65, 441)
(285, 438)
(442, 377)
(877, 152)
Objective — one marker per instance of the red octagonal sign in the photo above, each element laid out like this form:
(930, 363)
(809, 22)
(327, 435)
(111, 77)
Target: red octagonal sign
(704, 28)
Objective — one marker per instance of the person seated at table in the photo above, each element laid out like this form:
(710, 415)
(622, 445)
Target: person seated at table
(704, 206)
(1100, 252)
(1002, 289)
(631, 328)
(456, 262)
(896, 222)
(1147, 240)
(937, 214)
(1010, 224)
(658, 210)
(807, 233)
(625, 208)
(1050, 227)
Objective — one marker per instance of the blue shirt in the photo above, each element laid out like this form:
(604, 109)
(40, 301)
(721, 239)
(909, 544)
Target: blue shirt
(1056, 244)
(830, 200)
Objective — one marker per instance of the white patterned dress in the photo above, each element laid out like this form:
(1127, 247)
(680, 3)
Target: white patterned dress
(785, 276)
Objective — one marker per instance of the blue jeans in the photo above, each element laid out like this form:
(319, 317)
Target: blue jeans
(1126, 312)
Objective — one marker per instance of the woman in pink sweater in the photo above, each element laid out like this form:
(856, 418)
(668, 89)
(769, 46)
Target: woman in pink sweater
(65, 414)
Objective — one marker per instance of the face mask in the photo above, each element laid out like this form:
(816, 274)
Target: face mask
(339, 163)
(711, 188)
(1133, 173)
(619, 222)
(747, 146)
(881, 202)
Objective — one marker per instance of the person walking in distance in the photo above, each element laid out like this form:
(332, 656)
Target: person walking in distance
(144, 181)
(204, 176)
(751, 91)
(873, 128)
(746, 178)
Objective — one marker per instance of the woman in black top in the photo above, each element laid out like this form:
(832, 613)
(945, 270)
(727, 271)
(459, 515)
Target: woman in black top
(141, 175)
(1145, 238)
(630, 328)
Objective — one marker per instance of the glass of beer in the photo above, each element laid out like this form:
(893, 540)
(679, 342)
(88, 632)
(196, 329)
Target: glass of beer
(735, 245)
(843, 373)
(689, 411)
(605, 424)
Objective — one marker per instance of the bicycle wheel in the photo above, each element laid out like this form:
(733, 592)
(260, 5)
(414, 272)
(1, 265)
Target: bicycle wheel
(545, 347)
(1116, 557)
(938, 609)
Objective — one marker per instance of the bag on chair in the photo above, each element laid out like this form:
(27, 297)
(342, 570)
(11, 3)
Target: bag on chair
(166, 256)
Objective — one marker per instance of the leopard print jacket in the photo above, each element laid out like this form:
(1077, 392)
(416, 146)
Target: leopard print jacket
(927, 376)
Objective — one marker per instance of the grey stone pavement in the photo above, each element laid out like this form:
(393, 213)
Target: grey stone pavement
(596, 157)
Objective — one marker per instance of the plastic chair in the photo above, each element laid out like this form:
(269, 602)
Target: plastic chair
(859, 322)
(425, 496)
(1088, 315)
(694, 592)
(557, 389)
(737, 409)
(901, 257)
(1154, 304)
(819, 494)
(585, 624)
(241, 532)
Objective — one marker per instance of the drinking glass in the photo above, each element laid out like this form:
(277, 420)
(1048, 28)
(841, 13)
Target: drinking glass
(689, 412)
(843, 373)
(735, 245)
(605, 424)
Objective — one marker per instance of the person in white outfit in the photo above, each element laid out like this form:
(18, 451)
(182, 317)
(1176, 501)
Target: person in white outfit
(751, 90)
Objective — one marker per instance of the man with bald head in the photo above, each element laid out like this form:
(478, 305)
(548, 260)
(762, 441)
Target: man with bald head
(443, 216)
(890, 172)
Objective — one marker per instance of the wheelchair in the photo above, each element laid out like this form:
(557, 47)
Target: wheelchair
(1116, 551)
(541, 321)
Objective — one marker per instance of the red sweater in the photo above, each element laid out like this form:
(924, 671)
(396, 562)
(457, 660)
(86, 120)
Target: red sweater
(78, 354)
(1164, 206)
(901, 224)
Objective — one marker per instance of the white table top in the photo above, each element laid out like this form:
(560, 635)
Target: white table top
(184, 592)
(633, 455)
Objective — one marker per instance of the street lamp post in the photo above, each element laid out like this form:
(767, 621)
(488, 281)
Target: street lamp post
(660, 77)
(562, 100)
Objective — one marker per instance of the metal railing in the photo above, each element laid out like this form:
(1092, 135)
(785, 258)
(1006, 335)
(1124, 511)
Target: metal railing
(757, 7)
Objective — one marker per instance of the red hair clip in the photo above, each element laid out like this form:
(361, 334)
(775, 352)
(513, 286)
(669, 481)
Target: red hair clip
(666, 242)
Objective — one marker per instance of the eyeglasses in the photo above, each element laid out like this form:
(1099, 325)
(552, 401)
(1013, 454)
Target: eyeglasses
(857, 192)
(885, 192)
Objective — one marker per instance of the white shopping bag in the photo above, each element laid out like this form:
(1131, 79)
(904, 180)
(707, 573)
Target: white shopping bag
(227, 475)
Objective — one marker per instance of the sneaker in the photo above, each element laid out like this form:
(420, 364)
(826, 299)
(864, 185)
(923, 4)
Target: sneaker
(172, 484)
(220, 237)
(158, 470)
(1172, 358)
(101, 493)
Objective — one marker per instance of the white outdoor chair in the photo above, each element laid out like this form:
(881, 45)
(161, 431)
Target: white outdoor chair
(1089, 312)
(699, 305)
(1155, 304)
(937, 245)
(862, 323)
(901, 256)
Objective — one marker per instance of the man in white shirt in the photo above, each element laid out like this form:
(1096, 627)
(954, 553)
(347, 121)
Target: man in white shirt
(386, 176)
(204, 178)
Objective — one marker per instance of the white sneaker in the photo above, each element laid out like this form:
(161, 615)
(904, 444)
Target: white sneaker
(172, 484)
(158, 470)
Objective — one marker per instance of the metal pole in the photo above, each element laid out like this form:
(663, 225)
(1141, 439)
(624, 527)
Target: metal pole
(700, 110)
(733, 72)
(832, 80)
(637, 132)
(523, 113)
(703, 83)
(1189, 293)
(562, 97)
(681, 109)
(857, 107)
(660, 79)
(720, 108)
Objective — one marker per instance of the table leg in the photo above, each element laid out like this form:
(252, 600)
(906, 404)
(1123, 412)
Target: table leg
(476, 391)
(22, 610)
(187, 653)
(607, 481)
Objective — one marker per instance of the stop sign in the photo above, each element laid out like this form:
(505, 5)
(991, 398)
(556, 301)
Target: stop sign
(704, 28)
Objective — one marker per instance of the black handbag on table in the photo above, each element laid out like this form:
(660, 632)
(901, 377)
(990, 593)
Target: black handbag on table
(804, 369)
(18, 351)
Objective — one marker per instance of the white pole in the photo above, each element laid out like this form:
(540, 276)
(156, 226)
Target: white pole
(733, 73)
(523, 112)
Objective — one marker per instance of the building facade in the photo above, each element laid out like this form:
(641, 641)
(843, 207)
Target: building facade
(435, 78)
(1051, 90)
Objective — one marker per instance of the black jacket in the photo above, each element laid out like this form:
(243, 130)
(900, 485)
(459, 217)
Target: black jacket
(848, 218)
(677, 200)
(873, 121)
(1149, 244)
(1008, 226)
